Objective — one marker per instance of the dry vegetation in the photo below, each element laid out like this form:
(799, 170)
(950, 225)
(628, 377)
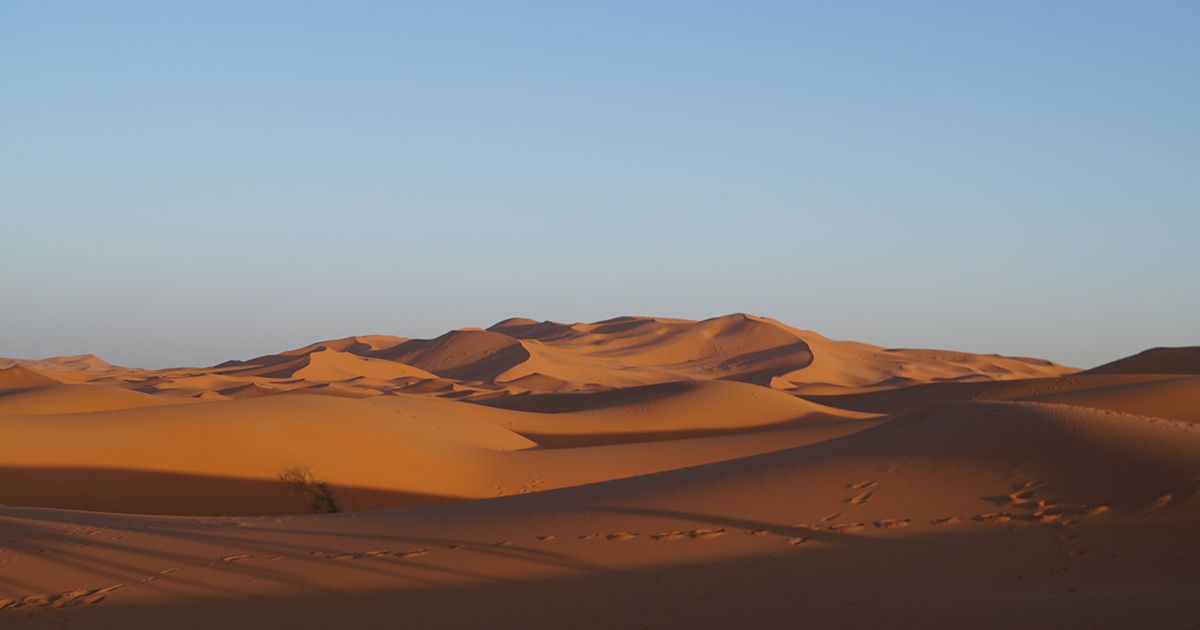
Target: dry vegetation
(313, 488)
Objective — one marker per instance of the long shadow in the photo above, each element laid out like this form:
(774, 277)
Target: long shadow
(565, 441)
(177, 494)
(981, 578)
(239, 535)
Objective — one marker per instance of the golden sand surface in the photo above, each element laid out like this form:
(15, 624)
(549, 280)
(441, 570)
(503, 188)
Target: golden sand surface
(632, 473)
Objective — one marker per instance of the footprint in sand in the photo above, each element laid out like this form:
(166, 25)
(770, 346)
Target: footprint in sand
(622, 536)
(804, 531)
(757, 532)
(1093, 510)
(68, 599)
(667, 536)
(757, 560)
(949, 520)
(1161, 502)
(353, 556)
(892, 523)
(33, 600)
(830, 517)
(701, 534)
(589, 536)
(860, 498)
(504, 543)
(1021, 497)
(414, 553)
(846, 528)
(862, 485)
(547, 537)
(994, 517)
(170, 570)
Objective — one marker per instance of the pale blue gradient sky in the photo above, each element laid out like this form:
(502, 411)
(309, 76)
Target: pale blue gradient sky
(182, 186)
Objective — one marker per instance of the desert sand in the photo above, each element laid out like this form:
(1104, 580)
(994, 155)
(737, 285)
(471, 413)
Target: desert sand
(633, 473)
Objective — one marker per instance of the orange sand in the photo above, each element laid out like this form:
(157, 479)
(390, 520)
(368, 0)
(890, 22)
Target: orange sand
(633, 473)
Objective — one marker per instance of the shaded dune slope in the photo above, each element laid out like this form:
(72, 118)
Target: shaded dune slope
(1184, 360)
(387, 451)
(518, 356)
(635, 472)
(21, 377)
(1163, 395)
(988, 514)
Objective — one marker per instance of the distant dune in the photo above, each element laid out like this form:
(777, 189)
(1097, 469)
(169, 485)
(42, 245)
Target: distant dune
(632, 473)
(1155, 361)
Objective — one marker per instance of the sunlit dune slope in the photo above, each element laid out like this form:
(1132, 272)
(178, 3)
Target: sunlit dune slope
(636, 472)
(985, 514)
(656, 412)
(77, 398)
(520, 356)
(756, 349)
(20, 376)
(381, 452)
(78, 363)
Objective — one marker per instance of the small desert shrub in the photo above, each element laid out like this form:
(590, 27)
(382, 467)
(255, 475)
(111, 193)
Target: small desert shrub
(314, 489)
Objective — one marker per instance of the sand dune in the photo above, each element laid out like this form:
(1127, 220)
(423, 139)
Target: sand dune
(905, 399)
(79, 363)
(658, 412)
(636, 472)
(77, 398)
(1155, 361)
(520, 357)
(1171, 398)
(20, 376)
(394, 450)
(942, 520)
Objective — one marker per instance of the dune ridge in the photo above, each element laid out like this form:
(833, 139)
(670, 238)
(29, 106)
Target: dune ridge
(635, 472)
(522, 357)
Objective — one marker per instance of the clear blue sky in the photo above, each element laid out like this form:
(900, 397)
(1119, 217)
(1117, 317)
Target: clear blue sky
(181, 185)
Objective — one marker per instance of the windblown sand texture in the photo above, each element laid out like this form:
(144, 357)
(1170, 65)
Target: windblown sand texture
(631, 473)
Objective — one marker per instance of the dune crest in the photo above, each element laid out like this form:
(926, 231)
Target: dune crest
(21, 376)
(1155, 361)
(634, 472)
(523, 356)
